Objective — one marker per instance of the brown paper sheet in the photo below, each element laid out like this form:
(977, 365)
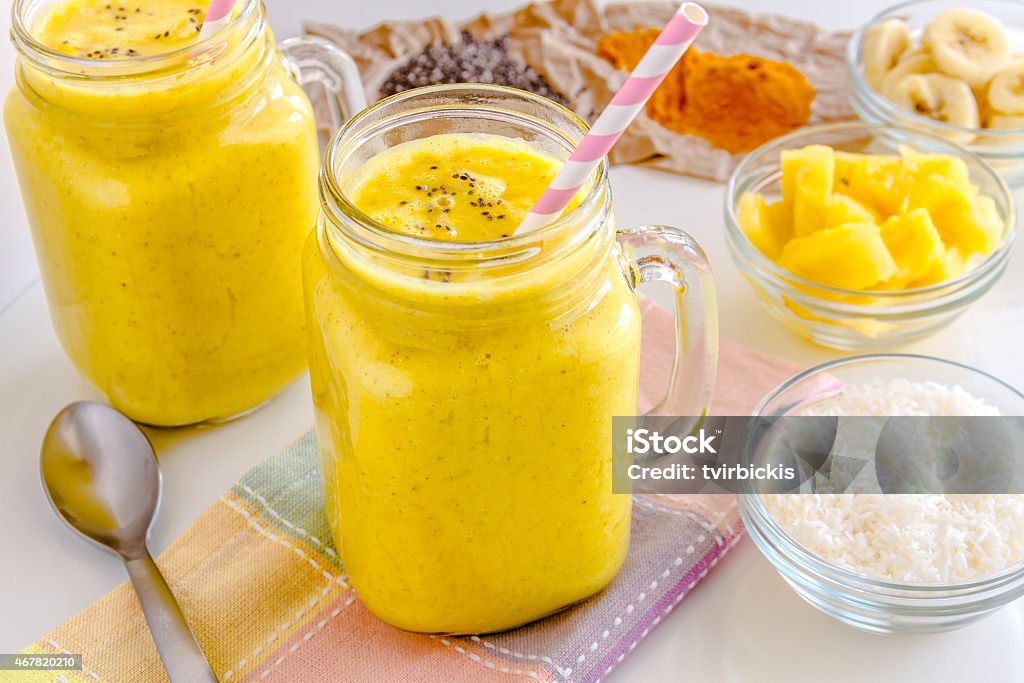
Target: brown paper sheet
(559, 39)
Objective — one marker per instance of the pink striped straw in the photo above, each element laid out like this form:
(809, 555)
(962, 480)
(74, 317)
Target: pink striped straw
(217, 15)
(674, 40)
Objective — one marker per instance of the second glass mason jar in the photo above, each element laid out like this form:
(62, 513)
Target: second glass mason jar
(169, 197)
(465, 391)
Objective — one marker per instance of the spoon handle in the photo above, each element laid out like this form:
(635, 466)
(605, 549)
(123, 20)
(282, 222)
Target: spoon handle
(182, 656)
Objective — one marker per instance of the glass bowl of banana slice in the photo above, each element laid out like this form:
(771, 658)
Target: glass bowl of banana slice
(952, 68)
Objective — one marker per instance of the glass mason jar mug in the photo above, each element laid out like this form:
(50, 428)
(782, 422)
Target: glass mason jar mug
(464, 391)
(169, 197)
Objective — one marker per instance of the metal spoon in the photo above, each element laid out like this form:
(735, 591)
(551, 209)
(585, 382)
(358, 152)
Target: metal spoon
(101, 476)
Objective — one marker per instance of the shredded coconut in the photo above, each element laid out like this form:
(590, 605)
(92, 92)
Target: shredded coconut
(905, 538)
(902, 397)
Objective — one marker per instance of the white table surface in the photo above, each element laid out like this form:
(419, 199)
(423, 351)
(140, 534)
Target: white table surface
(741, 624)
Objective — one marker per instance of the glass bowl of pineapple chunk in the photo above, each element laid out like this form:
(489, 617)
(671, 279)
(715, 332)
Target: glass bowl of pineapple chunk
(865, 237)
(952, 68)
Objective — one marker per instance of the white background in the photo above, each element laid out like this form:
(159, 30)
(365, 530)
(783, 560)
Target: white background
(741, 624)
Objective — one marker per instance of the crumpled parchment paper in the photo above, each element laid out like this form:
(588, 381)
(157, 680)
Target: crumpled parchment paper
(559, 40)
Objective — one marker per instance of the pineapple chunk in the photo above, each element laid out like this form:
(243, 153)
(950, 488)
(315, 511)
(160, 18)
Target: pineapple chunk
(985, 225)
(766, 225)
(844, 209)
(851, 256)
(920, 166)
(951, 265)
(971, 224)
(942, 185)
(807, 177)
(872, 180)
(945, 201)
(846, 162)
(914, 244)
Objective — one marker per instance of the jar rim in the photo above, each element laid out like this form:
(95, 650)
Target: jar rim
(370, 232)
(191, 55)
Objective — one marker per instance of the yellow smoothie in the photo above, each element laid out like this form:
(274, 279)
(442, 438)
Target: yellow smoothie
(112, 29)
(168, 208)
(464, 419)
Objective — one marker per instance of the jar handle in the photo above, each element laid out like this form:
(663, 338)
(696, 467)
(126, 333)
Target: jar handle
(659, 253)
(322, 68)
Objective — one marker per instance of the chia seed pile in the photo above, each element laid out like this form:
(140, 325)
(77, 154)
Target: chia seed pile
(469, 61)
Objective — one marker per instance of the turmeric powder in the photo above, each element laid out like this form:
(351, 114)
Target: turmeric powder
(736, 103)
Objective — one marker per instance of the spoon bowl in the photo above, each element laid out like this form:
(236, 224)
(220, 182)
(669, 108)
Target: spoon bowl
(101, 476)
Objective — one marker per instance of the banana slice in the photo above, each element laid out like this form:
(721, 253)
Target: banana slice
(941, 98)
(967, 44)
(1006, 122)
(912, 62)
(882, 47)
(1006, 91)
(913, 53)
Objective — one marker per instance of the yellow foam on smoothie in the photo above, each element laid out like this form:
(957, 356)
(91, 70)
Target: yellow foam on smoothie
(455, 187)
(108, 29)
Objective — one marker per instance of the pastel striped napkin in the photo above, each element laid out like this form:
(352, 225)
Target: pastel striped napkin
(267, 597)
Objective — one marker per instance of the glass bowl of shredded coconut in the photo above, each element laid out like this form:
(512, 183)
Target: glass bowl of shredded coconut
(893, 563)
